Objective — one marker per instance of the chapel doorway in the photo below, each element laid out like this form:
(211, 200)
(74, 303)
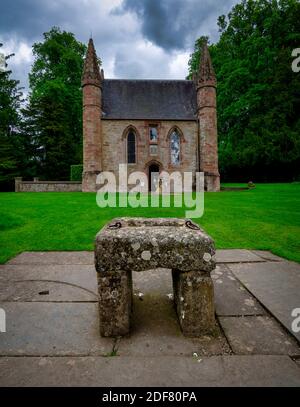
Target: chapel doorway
(153, 177)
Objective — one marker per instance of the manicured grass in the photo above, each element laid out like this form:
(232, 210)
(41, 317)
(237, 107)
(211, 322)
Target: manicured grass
(267, 217)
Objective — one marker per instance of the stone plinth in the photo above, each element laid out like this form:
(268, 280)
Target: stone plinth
(138, 244)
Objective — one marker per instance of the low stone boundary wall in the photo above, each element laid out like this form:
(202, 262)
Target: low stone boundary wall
(46, 186)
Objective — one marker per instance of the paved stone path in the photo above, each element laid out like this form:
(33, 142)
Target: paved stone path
(52, 334)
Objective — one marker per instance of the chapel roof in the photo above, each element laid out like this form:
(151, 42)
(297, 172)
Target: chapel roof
(149, 99)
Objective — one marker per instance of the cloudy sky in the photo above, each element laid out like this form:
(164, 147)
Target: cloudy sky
(134, 38)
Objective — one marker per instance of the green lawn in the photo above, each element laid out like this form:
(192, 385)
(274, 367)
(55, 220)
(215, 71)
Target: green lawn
(267, 217)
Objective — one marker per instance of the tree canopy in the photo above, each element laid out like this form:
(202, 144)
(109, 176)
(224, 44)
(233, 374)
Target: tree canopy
(10, 101)
(53, 116)
(258, 93)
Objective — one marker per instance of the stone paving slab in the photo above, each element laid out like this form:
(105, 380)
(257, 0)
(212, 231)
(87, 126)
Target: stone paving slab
(237, 256)
(275, 371)
(66, 257)
(226, 287)
(266, 255)
(276, 285)
(44, 291)
(156, 332)
(52, 329)
(48, 283)
(258, 335)
(66, 332)
(231, 298)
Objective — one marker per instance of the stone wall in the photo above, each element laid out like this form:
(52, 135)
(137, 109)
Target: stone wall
(47, 186)
(114, 145)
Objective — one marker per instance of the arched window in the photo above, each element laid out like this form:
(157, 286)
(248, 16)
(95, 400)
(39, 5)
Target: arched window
(131, 156)
(175, 147)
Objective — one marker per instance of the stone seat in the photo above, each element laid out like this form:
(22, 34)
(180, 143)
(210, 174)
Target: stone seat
(139, 244)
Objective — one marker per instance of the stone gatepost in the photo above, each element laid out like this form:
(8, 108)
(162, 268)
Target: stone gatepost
(141, 244)
(18, 182)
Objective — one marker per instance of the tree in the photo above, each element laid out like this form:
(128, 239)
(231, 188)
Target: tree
(258, 93)
(53, 115)
(195, 57)
(10, 100)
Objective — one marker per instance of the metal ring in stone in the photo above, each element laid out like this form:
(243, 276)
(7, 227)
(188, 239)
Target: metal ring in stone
(191, 225)
(116, 225)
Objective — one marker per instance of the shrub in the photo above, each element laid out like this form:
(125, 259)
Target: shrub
(76, 172)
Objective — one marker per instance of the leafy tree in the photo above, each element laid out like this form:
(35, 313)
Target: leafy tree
(258, 93)
(10, 100)
(195, 56)
(53, 116)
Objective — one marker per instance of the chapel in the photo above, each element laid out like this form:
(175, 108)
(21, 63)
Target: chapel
(149, 125)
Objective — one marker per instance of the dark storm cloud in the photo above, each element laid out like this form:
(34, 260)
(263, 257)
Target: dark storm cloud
(175, 24)
(134, 38)
(23, 22)
(29, 18)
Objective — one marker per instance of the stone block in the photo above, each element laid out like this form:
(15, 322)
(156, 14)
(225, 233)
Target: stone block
(137, 244)
(194, 302)
(115, 303)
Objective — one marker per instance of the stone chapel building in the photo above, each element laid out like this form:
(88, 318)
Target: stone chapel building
(151, 125)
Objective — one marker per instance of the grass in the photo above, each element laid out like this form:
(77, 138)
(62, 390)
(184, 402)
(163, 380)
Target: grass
(266, 218)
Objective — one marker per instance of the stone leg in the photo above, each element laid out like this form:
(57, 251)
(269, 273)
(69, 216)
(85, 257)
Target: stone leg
(194, 302)
(115, 302)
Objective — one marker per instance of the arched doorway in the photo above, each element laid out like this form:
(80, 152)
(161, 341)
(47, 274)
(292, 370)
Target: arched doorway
(153, 176)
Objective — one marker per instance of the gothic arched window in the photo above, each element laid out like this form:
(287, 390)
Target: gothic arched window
(131, 155)
(175, 147)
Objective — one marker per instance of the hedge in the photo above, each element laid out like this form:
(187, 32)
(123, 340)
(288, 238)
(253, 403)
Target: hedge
(76, 172)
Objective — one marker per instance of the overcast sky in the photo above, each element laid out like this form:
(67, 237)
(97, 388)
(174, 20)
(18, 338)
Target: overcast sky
(134, 38)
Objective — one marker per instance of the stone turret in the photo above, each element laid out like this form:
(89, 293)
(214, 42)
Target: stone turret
(207, 114)
(92, 144)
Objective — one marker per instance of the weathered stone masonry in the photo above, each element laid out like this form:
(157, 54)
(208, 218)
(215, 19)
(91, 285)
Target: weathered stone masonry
(92, 97)
(207, 115)
(46, 186)
(140, 244)
(113, 108)
(114, 145)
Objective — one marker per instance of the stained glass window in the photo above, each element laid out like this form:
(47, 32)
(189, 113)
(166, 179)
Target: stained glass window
(175, 147)
(131, 148)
